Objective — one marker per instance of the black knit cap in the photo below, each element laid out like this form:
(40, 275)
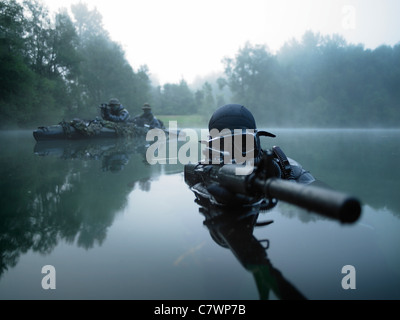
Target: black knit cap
(232, 116)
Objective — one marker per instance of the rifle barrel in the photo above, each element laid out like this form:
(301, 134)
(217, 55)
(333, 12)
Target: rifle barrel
(327, 202)
(322, 200)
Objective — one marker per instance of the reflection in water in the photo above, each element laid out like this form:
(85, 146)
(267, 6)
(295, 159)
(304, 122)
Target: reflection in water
(47, 200)
(113, 153)
(233, 228)
(67, 201)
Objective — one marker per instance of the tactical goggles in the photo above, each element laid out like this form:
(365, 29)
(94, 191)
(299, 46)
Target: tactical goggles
(236, 144)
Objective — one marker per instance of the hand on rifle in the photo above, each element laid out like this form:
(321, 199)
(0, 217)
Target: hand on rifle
(105, 110)
(103, 106)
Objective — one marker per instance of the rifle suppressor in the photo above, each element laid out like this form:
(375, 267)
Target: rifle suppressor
(327, 202)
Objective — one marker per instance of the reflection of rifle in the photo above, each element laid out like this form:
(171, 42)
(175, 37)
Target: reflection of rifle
(263, 182)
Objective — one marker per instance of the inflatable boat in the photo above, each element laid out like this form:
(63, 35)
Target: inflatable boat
(78, 129)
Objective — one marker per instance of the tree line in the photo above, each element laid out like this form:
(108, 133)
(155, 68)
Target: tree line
(63, 66)
(52, 68)
(318, 81)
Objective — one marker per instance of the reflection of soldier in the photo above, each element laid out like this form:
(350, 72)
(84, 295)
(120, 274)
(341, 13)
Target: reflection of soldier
(114, 154)
(143, 184)
(233, 228)
(147, 118)
(115, 162)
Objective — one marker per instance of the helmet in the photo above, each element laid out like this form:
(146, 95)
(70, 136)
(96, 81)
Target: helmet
(114, 101)
(232, 116)
(146, 106)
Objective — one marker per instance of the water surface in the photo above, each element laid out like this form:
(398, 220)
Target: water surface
(115, 227)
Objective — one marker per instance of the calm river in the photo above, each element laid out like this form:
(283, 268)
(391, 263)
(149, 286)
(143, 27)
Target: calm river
(114, 226)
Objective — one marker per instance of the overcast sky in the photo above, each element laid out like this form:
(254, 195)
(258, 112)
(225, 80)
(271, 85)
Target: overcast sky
(183, 39)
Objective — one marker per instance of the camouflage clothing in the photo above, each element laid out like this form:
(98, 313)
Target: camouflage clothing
(115, 113)
(90, 128)
(148, 119)
(127, 129)
(94, 127)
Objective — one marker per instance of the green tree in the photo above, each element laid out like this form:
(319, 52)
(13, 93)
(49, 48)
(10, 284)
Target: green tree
(254, 79)
(38, 36)
(177, 99)
(104, 69)
(57, 68)
(16, 78)
(205, 100)
(24, 58)
(89, 23)
(318, 81)
(51, 51)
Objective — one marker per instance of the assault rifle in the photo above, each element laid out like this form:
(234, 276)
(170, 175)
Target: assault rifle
(265, 182)
(103, 106)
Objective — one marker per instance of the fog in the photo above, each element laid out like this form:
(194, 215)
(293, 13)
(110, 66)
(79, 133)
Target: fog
(185, 39)
(338, 69)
